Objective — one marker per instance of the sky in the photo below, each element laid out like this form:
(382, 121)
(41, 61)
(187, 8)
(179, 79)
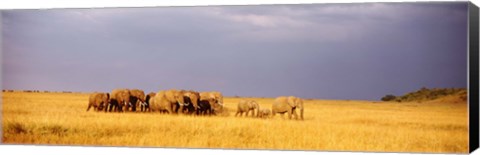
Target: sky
(326, 51)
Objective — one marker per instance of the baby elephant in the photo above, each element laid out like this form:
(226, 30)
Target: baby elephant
(264, 113)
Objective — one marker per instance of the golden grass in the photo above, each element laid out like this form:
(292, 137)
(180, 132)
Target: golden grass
(334, 125)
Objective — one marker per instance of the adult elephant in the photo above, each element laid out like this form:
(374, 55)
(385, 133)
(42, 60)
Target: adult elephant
(158, 103)
(191, 99)
(245, 106)
(137, 97)
(146, 105)
(119, 99)
(210, 102)
(167, 101)
(99, 101)
(289, 105)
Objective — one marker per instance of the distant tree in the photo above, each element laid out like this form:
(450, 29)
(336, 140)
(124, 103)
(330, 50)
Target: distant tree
(388, 97)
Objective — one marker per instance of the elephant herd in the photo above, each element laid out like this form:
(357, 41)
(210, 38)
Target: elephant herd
(281, 105)
(187, 102)
(165, 101)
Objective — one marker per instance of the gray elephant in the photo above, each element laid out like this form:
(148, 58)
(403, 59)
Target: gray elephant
(289, 105)
(264, 113)
(137, 97)
(167, 101)
(146, 105)
(245, 106)
(119, 99)
(99, 101)
(210, 103)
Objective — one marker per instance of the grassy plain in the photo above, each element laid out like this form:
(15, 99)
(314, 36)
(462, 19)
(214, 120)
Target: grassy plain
(330, 125)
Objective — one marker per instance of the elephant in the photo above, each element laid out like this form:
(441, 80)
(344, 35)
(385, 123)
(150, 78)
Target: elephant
(99, 101)
(210, 102)
(245, 106)
(119, 99)
(158, 103)
(284, 104)
(264, 113)
(191, 99)
(204, 106)
(146, 104)
(137, 97)
(170, 101)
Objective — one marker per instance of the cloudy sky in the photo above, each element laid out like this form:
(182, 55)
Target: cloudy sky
(327, 51)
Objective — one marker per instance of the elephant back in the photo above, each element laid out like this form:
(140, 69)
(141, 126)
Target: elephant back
(92, 97)
(120, 95)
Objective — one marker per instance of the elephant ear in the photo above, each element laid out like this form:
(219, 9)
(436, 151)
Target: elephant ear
(251, 104)
(291, 101)
(255, 104)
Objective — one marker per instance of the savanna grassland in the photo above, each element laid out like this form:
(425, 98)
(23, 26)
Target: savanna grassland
(440, 125)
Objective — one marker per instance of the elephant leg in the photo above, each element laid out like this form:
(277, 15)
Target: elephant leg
(88, 108)
(120, 108)
(174, 106)
(295, 114)
(195, 108)
(134, 106)
(112, 107)
(180, 108)
(170, 110)
(290, 114)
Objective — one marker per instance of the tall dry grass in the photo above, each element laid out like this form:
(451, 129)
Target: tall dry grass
(61, 119)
